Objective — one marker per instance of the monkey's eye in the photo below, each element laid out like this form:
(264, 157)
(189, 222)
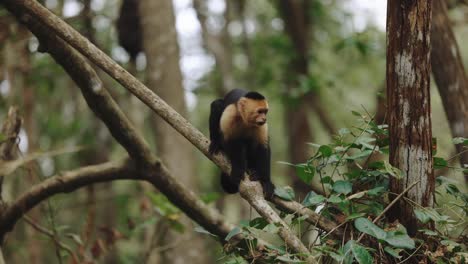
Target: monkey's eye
(262, 111)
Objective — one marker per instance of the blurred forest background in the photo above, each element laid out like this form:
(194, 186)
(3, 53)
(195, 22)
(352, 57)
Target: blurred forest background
(317, 63)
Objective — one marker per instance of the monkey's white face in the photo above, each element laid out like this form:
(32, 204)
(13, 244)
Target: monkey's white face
(260, 116)
(253, 112)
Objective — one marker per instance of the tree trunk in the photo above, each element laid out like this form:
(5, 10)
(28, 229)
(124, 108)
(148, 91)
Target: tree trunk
(408, 79)
(450, 75)
(294, 14)
(219, 45)
(165, 78)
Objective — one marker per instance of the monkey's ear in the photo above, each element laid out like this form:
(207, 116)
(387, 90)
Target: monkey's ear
(241, 104)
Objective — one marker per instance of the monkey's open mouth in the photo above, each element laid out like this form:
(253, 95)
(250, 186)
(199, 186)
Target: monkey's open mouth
(261, 123)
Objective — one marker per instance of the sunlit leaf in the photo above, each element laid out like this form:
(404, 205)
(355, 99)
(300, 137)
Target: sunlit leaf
(460, 140)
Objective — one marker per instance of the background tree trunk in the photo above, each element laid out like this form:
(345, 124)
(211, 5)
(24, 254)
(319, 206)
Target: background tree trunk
(450, 75)
(408, 79)
(165, 78)
(294, 14)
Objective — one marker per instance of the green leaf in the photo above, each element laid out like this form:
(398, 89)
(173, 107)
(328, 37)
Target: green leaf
(422, 216)
(235, 231)
(305, 172)
(285, 193)
(365, 142)
(356, 113)
(393, 252)
(258, 222)
(335, 199)
(460, 140)
(354, 216)
(360, 155)
(177, 226)
(202, 230)
(375, 191)
(452, 189)
(325, 150)
(343, 131)
(428, 232)
(361, 254)
(312, 199)
(366, 226)
(394, 171)
(440, 163)
(399, 238)
(451, 245)
(271, 240)
(343, 187)
(163, 205)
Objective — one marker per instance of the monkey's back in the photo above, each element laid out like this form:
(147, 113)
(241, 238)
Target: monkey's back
(233, 96)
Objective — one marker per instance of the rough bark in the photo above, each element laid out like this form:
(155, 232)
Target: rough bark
(450, 75)
(8, 150)
(408, 79)
(164, 76)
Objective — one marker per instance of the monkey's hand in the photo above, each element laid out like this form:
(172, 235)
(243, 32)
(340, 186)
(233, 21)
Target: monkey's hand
(214, 148)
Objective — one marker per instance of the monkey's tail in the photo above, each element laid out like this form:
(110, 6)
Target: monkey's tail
(229, 185)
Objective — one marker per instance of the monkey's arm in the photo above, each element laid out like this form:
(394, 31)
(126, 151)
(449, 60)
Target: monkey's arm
(217, 108)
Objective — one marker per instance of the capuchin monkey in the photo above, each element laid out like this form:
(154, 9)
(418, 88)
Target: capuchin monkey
(238, 128)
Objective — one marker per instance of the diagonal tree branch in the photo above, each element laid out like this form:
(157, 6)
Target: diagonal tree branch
(63, 183)
(103, 105)
(127, 80)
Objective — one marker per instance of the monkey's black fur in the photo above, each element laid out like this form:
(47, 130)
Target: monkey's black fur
(245, 152)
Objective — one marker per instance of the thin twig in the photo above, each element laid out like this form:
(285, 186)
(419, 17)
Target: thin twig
(412, 254)
(51, 235)
(390, 205)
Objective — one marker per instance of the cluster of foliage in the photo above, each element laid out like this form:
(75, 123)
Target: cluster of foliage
(354, 178)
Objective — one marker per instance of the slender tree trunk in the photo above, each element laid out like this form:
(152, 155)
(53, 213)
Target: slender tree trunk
(408, 78)
(296, 116)
(165, 78)
(219, 45)
(450, 75)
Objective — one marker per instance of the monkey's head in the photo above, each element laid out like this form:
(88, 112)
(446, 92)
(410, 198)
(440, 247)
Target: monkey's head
(253, 108)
